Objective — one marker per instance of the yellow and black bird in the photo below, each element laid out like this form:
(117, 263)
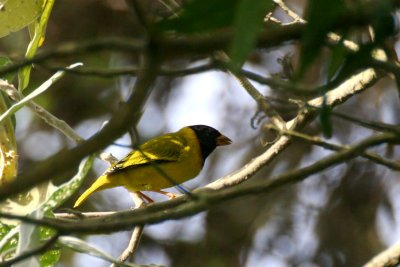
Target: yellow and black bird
(179, 156)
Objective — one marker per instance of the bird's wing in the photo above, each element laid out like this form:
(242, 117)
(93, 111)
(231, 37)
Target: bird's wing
(166, 148)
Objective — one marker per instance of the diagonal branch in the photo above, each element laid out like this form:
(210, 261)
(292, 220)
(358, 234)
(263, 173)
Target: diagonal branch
(136, 233)
(392, 164)
(350, 87)
(262, 102)
(390, 257)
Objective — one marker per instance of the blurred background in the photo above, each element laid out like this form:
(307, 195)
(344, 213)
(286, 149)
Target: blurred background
(340, 217)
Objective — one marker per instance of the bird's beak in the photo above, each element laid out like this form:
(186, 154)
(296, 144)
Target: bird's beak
(222, 140)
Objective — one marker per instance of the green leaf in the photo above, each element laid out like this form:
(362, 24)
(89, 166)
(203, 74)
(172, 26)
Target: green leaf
(37, 40)
(9, 242)
(199, 16)
(337, 59)
(16, 14)
(354, 61)
(321, 17)
(29, 239)
(4, 61)
(57, 198)
(8, 147)
(42, 88)
(32, 236)
(8, 239)
(64, 191)
(248, 22)
(52, 256)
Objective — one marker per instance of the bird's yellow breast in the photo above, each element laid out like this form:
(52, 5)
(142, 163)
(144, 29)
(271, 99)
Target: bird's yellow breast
(163, 174)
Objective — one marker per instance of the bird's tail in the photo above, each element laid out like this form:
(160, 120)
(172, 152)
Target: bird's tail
(101, 183)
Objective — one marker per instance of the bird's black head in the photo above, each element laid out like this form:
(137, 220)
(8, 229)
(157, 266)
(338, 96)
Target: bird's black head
(209, 139)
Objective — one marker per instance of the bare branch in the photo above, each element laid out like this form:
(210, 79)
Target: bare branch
(390, 257)
(350, 87)
(133, 244)
(392, 164)
(296, 18)
(136, 234)
(133, 70)
(73, 49)
(262, 102)
(50, 119)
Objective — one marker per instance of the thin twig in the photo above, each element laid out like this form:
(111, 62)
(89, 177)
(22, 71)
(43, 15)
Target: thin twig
(284, 86)
(133, 244)
(50, 119)
(296, 18)
(262, 102)
(136, 233)
(392, 164)
(374, 125)
(73, 49)
(55, 122)
(350, 87)
(133, 70)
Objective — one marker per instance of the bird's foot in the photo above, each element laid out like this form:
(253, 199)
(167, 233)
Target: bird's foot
(146, 198)
(168, 194)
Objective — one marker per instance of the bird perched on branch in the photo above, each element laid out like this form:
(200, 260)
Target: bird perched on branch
(161, 162)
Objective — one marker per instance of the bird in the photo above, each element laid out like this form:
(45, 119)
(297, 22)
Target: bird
(161, 162)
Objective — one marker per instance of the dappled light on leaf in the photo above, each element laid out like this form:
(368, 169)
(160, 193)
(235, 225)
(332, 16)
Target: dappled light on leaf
(17, 14)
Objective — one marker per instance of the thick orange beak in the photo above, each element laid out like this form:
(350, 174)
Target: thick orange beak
(222, 140)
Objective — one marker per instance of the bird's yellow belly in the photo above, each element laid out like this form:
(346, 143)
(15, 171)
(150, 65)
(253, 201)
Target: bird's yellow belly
(150, 177)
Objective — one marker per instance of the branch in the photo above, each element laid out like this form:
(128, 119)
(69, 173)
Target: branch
(49, 118)
(132, 246)
(133, 70)
(173, 47)
(136, 234)
(261, 101)
(390, 257)
(277, 84)
(296, 18)
(392, 164)
(374, 125)
(350, 87)
(73, 49)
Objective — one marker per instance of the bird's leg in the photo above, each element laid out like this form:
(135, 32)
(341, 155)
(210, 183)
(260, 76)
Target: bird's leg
(148, 199)
(168, 194)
